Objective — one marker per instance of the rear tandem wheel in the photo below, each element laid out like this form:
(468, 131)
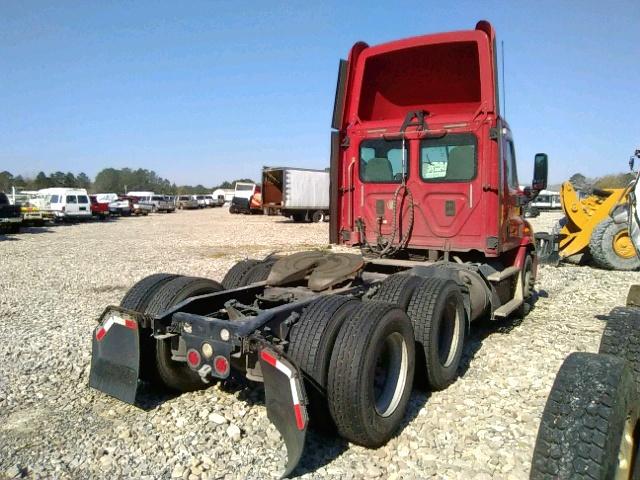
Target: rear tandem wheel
(177, 375)
(371, 373)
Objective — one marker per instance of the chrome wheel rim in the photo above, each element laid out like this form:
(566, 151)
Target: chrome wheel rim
(390, 375)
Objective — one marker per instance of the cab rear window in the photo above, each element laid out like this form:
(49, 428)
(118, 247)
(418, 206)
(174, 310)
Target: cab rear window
(72, 199)
(452, 158)
(83, 199)
(381, 161)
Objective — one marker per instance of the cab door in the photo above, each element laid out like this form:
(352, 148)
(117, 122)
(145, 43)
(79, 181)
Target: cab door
(512, 221)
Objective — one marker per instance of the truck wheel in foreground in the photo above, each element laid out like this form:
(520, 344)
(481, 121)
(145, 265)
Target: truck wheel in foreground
(299, 217)
(235, 275)
(371, 373)
(588, 427)
(437, 313)
(397, 289)
(611, 246)
(137, 299)
(621, 337)
(311, 343)
(176, 374)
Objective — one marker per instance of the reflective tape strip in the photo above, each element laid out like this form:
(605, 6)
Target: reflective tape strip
(297, 407)
(102, 330)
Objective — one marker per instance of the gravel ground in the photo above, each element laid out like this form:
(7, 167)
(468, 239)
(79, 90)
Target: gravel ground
(56, 281)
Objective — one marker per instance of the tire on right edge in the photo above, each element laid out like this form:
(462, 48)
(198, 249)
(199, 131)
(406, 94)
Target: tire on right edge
(588, 426)
(371, 373)
(621, 337)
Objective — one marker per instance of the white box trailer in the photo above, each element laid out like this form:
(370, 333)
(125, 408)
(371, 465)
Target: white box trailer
(299, 193)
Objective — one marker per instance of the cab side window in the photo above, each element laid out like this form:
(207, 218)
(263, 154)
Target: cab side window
(511, 171)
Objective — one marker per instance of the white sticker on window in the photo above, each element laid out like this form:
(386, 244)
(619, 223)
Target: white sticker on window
(434, 170)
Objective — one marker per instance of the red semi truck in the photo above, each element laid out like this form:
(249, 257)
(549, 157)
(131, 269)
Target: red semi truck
(424, 188)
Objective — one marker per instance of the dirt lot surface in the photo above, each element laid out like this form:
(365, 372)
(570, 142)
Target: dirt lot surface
(55, 282)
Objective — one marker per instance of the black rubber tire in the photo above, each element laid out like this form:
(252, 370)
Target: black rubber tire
(311, 341)
(299, 217)
(621, 337)
(312, 337)
(426, 310)
(258, 273)
(177, 375)
(137, 299)
(317, 216)
(528, 283)
(397, 289)
(601, 247)
(350, 385)
(583, 420)
(233, 278)
(138, 296)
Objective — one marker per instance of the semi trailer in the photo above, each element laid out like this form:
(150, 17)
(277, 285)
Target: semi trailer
(424, 189)
(298, 193)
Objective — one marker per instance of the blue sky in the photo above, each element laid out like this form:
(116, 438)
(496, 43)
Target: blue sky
(206, 91)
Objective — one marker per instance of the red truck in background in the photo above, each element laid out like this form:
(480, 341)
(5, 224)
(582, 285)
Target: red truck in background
(99, 210)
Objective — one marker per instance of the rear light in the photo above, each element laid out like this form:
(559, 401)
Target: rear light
(207, 350)
(221, 365)
(64, 208)
(193, 358)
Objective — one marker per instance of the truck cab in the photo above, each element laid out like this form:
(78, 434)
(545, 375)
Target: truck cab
(422, 161)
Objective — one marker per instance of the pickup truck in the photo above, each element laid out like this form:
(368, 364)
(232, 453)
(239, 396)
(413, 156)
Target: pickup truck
(29, 209)
(140, 207)
(163, 204)
(122, 207)
(99, 210)
(10, 215)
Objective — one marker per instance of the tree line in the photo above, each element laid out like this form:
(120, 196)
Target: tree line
(107, 180)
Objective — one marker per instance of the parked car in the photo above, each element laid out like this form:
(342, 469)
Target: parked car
(10, 217)
(201, 199)
(246, 199)
(66, 204)
(140, 207)
(161, 203)
(122, 207)
(185, 202)
(99, 210)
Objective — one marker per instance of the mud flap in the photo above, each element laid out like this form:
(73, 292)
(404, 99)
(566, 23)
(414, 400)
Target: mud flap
(115, 355)
(547, 247)
(286, 404)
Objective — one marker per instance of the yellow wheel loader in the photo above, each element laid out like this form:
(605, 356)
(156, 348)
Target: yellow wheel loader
(596, 225)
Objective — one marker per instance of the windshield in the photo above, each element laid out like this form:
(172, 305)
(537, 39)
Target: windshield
(448, 159)
(381, 161)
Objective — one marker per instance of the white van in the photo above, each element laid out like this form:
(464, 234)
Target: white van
(66, 203)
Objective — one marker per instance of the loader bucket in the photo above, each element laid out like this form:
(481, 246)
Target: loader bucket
(285, 400)
(115, 356)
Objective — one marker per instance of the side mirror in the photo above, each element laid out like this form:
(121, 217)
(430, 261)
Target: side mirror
(540, 166)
